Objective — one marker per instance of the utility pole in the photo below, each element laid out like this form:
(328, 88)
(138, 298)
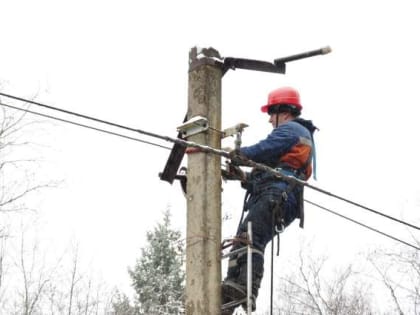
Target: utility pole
(202, 125)
(203, 296)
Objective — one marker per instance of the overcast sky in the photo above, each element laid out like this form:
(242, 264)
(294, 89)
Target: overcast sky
(127, 62)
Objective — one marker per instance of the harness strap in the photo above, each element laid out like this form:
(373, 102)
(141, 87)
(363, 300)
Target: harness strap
(247, 196)
(301, 209)
(277, 219)
(290, 187)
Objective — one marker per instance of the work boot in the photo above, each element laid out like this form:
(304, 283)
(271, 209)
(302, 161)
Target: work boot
(234, 287)
(227, 311)
(232, 291)
(233, 294)
(257, 274)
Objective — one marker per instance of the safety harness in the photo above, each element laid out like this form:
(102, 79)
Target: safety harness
(257, 180)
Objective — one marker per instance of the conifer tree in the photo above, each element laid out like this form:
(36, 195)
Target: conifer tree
(158, 275)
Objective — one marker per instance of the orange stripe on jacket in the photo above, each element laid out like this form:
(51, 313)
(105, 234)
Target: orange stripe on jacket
(297, 157)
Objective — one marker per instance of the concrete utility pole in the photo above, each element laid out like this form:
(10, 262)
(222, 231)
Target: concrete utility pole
(204, 187)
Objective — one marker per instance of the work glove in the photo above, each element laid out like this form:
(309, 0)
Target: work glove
(237, 157)
(233, 172)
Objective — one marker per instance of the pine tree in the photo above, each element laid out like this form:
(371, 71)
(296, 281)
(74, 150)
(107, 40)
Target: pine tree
(158, 275)
(121, 305)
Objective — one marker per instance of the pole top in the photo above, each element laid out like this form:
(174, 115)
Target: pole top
(204, 56)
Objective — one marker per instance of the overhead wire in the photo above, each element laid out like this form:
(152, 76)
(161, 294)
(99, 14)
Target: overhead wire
(293, 179)
(182, 142)
(366, 208)
(208, 149)
(361, 224)
(84, 126)
(65, 111)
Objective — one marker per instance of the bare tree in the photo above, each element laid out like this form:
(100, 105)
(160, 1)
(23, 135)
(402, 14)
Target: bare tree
(43, 282)
(399, 272)
(3, 242)
(74, 278)
(16, 167)
(33, 278)
(17, 182)
(313, 289)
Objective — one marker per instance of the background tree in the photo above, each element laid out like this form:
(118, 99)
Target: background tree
(311, 288)
(36, 278)
(398, 270)
(44, 280)
(18, 165)
(158, 276)
(121, 305)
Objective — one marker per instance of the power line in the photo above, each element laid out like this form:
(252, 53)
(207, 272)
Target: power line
(150, 134)
(225, 154)
(154, 144)
(295, 180)
(364, 207)
(364, 225)
(66, 111)
(182, 142)
(85, 126)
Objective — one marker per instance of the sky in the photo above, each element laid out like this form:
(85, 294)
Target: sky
(127, 62)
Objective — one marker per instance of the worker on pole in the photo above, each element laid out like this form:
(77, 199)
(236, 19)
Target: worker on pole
(272, 203)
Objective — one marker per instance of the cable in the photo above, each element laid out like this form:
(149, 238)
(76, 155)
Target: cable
(181, 142)
(292, 179)
(85, 126)
(364, 207)
(364, 225)
(65, 111)
(185, 143)
(225, 154)
(150, 134)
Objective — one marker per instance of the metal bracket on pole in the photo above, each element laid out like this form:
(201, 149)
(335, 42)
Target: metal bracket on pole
(250, 64)
(169, 173)
(316, 52)
(231, 131)
(277, 66)
(193, 126)
(235, 131)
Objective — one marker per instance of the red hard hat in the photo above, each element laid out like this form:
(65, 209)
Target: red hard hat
(283, 96)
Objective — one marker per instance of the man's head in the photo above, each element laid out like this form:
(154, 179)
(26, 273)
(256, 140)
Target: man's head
(283, 105)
